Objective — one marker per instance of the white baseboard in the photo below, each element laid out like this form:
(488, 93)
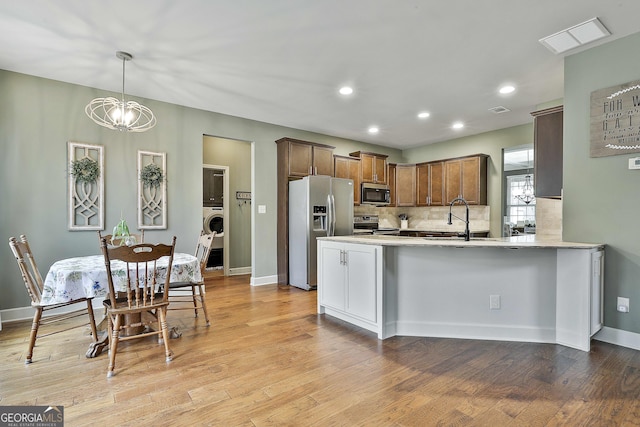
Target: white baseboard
(265, 280)
(26, 313)
(619, 337)
(239, 271)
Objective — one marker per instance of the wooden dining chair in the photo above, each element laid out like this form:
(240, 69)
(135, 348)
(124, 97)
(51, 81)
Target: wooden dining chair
(119, 241)
(143, 294)
(35, 285)
(190, 295)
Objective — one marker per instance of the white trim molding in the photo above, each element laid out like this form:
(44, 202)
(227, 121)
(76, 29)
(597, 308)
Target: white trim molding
(619, 337)
(237, 271)
(265, 280)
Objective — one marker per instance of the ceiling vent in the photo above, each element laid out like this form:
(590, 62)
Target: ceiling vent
(499, 109)
(575, 36)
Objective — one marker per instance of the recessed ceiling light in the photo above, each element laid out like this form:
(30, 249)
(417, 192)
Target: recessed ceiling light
(423, 115)
(346, 90)
(457, 125)
(374, 129)
(507, 89)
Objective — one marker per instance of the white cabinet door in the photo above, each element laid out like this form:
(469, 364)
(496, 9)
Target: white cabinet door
(332, 275)
(361, 281)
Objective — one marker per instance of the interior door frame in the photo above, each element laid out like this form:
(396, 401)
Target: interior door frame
(225, 213)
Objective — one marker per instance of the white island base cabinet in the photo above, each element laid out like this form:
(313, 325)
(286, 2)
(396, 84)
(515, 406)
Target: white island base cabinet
(548, 294)
(350, 283)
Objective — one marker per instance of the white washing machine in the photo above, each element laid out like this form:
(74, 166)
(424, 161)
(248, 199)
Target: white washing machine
(213, 220)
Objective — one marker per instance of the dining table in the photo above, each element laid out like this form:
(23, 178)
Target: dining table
(86, 277)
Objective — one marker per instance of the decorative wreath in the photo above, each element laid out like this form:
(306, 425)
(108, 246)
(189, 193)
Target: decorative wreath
(151, 175)
(85, 170)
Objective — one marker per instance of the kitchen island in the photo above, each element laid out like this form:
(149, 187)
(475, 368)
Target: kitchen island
(512, 289)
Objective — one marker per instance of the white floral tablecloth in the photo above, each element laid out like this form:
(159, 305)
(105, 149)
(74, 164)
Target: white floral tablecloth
(86, 276)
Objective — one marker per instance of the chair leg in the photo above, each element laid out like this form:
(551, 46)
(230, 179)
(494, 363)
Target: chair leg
(203, 303)
(114, 332)
(92, 321)
(33, 335)
(194, 297)
(162, 316)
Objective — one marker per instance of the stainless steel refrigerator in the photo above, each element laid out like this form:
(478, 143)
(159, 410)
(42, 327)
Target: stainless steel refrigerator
(318, 206)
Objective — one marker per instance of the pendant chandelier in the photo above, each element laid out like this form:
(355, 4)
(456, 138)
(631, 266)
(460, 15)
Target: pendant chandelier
(118, 114)
(527, 195)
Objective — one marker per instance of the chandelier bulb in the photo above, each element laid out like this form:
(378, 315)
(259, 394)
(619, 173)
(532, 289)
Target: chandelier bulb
(118, 114)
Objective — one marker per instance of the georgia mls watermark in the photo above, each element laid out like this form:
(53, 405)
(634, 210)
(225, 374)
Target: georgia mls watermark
(31, 416)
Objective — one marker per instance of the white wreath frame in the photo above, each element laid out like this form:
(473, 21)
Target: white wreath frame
(152, 201)
(86, 200)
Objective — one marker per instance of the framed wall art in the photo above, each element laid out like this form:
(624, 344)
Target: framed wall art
(86, 186)
(615, 120)
(152, 190)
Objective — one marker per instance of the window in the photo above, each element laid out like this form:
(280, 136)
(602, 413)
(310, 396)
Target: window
(518, 212)
(517, 166)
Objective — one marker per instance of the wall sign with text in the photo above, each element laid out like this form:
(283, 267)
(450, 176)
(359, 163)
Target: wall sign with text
(615, 120)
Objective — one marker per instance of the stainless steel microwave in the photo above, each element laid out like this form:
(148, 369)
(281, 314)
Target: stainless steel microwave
(375, 194)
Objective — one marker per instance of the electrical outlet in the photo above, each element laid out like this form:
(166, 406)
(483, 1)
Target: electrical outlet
(494, 302)
(623, 305)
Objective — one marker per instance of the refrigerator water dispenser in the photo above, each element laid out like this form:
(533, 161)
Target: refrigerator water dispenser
(319, 218)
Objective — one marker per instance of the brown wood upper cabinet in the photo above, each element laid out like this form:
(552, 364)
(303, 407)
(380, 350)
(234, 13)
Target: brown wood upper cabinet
(405, 183)
(348, 167)
(430, 184)
(309, 159)
(373, 167)
(391, 179)
(466, 177)
(547, 152)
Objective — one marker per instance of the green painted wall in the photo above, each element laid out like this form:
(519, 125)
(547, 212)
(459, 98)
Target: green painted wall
(490, 143)
(37, 119)
(601, 201)
(237, 156)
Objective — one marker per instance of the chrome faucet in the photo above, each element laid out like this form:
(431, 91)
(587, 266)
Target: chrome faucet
(466, 234)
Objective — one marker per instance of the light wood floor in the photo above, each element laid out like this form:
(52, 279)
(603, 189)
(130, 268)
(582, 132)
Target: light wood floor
(269, 359)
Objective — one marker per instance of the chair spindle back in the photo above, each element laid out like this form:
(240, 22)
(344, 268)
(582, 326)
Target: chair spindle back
(28, 268)
(140, 281)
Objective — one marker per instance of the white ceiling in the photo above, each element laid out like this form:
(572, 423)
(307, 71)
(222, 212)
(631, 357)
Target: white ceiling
(282, 61)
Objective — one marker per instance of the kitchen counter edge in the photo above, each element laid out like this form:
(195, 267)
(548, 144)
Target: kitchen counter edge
(506, 242)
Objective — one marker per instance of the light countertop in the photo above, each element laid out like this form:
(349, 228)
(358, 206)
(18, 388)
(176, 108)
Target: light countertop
(516, 242)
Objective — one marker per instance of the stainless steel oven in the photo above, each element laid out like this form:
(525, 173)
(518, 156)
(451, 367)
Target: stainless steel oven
(368, 224)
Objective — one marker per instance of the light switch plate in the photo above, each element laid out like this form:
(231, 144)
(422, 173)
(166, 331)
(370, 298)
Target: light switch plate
(262, 208)
(634, 163)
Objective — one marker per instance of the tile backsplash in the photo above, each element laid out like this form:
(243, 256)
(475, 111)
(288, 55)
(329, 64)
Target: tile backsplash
(549, 218)
(432, 218)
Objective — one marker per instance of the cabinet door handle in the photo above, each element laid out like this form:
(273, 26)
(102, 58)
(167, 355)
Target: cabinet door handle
(345, 257)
